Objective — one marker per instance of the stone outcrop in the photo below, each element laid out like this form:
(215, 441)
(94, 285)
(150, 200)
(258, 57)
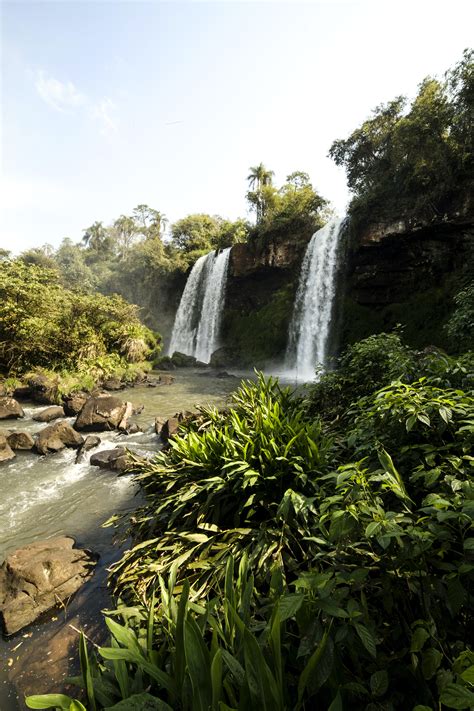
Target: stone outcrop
(36, 578)
(40, 388)
(104, 412)
(6, 452)
(56, 437)
(20, 440)
(115, 459)
(10, 409)
(50, 414)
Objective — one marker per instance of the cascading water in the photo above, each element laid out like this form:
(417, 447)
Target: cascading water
(309, 330)
(203, 295)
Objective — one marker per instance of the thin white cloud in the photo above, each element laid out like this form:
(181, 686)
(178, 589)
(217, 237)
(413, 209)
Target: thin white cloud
(102, 111)
(65, 97)
(62, 96)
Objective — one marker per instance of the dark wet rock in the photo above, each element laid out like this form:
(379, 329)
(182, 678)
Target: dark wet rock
(89, 443)
(40, 388)
(224, 357)
(169, 429)
(181, 360)
(159, 422)
(10, 409)
(50, 414)
(20, 440)
(165, 363)
(74, 403)
(115, 459)
(6, 452)
(104, 412)
(113, 384)
(56, 437)
(138, 409)
(38, 577)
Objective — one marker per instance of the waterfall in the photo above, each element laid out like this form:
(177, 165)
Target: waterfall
(197, 323)
(310, 326)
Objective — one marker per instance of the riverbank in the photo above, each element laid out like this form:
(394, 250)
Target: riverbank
(49, 496)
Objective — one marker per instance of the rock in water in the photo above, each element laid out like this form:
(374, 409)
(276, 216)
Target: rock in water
(10, 409)
(89, 443)
(74, 403)
(104, 412)
(115, 459)
(56, 437)
(36, 578)
(6, 452)
(20, 440)
(50, 414)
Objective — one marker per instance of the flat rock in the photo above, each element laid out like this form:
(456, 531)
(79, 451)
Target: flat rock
(10, 409)
(104, 412)
(57, 436)
(6, 452)
(20, 440)
(50, 414)
(36, 578)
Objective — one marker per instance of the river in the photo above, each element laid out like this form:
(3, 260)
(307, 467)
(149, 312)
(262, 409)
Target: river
(47, 496)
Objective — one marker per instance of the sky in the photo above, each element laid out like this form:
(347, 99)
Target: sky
(107, 104)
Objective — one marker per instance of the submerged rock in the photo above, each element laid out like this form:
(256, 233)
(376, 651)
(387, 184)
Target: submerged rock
(36, 578)
(104, 412)
(115, 459)
(50, 414)
(6, 452)
(57, 436)
(20, 440)
(10, 409)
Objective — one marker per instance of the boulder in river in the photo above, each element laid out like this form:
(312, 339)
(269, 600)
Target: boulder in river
(40, 388)
(89, 443)
(36, 578)
(50, 414)
(74, 403)
(182, 360)
(113, 384)
(57, 436)
(6, 452)
(115, 459)
(20, 440)
(10, 409)
(104, 412)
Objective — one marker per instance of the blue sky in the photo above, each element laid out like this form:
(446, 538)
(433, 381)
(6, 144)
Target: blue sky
(108, 104)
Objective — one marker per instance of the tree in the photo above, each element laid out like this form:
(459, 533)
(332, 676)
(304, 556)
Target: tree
(151, 222)
(126, 232)
(261, 193)
(197, 232)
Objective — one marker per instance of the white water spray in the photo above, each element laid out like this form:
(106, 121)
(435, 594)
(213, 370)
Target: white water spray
(310, 326)
(202, 303)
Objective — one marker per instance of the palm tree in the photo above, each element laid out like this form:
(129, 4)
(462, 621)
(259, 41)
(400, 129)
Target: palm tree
(259, 178)
(260, 175)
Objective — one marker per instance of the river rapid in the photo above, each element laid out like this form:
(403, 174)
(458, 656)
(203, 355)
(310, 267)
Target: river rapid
(46, 496)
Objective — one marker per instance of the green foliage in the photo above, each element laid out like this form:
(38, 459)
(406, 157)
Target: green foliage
(413, 160)
(296, 566)
(42, 324)
(239, 481)
(460, 327)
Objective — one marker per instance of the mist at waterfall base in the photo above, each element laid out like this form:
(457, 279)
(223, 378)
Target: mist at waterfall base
(197, 322)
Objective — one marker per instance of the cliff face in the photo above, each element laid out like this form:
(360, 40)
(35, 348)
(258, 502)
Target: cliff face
(406, 273)
(390, 273)
(260, 293)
